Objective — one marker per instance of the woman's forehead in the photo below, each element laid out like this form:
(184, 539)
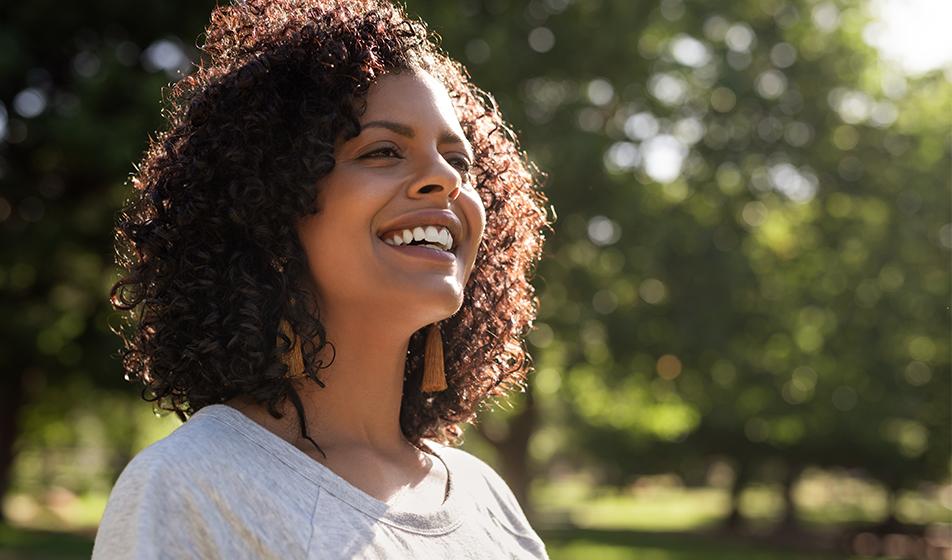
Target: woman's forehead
(409, 94)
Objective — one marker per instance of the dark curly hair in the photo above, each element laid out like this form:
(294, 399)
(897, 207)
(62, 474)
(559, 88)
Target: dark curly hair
(210, 257)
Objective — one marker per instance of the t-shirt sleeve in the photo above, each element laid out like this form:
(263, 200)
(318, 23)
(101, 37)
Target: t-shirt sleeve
(152, 514)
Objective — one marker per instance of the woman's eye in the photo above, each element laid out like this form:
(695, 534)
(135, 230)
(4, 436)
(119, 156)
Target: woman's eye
(382, 153)
(461, 164)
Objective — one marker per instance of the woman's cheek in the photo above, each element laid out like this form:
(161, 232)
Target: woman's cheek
(479, 231)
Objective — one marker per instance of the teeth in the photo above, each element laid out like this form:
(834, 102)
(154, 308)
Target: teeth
(437, 237)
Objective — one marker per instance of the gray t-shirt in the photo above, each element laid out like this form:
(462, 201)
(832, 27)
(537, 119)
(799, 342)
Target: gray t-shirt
(223, 486)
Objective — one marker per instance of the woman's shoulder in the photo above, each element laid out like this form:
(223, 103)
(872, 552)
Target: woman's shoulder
(487, 489)
(490, 494)
(205, 487)
(201, 443)
(475, 469)
(216, 447)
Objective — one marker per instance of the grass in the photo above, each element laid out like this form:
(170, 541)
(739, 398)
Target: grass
(648, 509)
(586, 544)
(18, 543)
(823, 501)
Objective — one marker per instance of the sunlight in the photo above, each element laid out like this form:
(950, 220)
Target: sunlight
(912, 33)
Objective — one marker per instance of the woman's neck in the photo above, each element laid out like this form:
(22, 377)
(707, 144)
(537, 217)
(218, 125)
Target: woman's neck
(359, 406)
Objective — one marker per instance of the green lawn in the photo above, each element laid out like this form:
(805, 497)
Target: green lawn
(587, 544)
(824, 502)
(21, 544)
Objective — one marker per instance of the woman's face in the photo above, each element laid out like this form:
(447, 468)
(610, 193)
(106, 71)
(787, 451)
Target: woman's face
(404, 174)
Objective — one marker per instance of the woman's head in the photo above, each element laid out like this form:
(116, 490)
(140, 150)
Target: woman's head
(406, 172)
(268, 167)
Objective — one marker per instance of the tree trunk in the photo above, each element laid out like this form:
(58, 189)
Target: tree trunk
(789, 521)
(735, 521)
(891, 523)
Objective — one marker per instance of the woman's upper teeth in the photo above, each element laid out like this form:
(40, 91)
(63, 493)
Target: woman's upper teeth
(438, 235)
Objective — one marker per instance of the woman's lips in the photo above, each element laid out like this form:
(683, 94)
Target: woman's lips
(423, 253)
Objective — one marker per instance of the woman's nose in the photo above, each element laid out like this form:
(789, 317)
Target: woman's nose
(437, 178)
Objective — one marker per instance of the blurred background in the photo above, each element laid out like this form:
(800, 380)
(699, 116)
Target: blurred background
(743, 349)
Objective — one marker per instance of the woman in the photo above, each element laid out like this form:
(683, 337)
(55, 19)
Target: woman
(326, 268)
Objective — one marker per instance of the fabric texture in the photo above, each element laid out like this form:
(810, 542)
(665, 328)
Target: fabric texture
(223, 486)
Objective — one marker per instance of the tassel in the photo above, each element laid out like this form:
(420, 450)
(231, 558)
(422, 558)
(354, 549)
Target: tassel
(434, 377)
(295, 359)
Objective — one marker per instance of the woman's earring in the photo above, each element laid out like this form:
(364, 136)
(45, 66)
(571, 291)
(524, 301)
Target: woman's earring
(434, 377)
(295, 359)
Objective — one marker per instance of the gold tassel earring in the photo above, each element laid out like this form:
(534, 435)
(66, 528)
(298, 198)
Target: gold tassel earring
(295, 360)
(434, 377)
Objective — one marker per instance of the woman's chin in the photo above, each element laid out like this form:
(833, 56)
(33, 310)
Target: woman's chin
(447, 309)
(437, 307)
(434, 290)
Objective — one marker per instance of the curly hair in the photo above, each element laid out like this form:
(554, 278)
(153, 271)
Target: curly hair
(211, 263)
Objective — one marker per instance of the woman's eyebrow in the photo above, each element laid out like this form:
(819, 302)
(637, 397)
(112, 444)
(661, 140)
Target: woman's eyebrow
(446, 137)
(401, 129)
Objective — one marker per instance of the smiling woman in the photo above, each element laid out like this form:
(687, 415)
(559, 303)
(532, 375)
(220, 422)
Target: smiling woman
(406, 171)
(327, 261)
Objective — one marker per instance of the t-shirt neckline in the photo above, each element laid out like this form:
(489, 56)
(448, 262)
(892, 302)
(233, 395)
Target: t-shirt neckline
(440, 520)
